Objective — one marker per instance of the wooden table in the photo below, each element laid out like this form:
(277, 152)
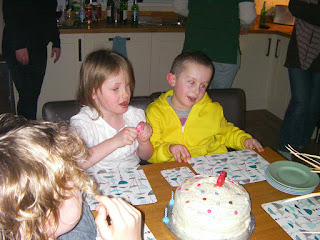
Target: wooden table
(260, 192)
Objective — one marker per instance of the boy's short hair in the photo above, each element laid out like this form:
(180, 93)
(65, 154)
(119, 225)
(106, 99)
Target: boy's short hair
(197, 57)
(37, 162)
(97, 67)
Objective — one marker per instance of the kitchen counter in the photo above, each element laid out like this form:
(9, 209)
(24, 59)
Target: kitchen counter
(103, 27)
(279, 29)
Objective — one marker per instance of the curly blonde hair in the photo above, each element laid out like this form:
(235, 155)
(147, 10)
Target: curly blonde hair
(37, 160)
(95, 70)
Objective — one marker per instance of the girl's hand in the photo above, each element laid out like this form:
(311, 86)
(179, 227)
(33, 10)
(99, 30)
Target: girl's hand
(251, 144)
(126, 136)
(180, 152)
(144, 131)
(125, 219)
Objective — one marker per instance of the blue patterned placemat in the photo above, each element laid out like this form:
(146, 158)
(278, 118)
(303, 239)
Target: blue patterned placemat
(176, 176)
(297, 217)
(241, 166)
(130, 184)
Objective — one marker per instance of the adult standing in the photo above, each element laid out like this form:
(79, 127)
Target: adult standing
(303, 63)
(213, 27)
(29, 26)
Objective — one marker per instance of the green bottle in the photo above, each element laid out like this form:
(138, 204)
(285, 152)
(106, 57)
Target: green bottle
(135, 13)
(263, 15)
(124, 11)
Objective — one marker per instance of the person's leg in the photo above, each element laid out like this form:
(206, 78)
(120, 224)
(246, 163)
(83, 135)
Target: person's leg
(224, 74)
(313, 115)
(292, 129)
(86, 228)
(28, 81)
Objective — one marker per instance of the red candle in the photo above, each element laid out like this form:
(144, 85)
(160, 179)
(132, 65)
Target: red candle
(221, 179)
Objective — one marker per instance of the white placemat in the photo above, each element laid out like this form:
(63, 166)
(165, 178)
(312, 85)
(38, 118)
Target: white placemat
(176, 176)
(241, 166)
(130, 184)
(296, 217)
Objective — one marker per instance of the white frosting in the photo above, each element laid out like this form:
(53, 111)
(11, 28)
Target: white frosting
(203, 211)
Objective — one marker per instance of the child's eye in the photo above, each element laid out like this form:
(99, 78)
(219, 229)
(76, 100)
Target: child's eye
(127, 85)
(115, 89)
(191, 82)
(203, 86)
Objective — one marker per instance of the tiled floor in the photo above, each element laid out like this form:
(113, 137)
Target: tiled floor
(265, 127)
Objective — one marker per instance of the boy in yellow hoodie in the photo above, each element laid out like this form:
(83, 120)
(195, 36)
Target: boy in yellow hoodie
(185, 121)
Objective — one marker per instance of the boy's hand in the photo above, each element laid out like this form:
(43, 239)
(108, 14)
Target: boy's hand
(126, 136)
(251, 144)
(144, 131)
(180, 152)
(126, 220)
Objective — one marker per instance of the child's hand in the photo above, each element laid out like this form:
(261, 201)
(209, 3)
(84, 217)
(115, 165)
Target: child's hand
(180, 151)
(144, 131)
(126, 220)
(251, 144)
(126, 136)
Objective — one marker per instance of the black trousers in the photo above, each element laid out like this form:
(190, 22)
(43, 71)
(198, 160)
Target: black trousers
(28, 79)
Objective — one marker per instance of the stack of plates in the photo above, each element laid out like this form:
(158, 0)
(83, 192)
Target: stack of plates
(291, 177)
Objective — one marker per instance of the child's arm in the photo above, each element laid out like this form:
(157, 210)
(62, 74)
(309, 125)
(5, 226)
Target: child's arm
(251, 144)
(98, 152)
(145, 148)
(126, 220)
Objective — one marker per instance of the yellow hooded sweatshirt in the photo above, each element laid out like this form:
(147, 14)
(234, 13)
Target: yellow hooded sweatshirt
(206, 130)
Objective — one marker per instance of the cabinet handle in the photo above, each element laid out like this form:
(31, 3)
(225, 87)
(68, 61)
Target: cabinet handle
(276, 52)
(111, 39)
(269, 45)
(79, 50)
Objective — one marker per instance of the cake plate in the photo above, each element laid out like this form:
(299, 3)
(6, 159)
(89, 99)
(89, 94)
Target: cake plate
(167, 219)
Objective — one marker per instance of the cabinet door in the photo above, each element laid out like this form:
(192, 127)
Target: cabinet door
(255, 69)
(61, 79)
(138, 47)
(279, 93)
(165, 47)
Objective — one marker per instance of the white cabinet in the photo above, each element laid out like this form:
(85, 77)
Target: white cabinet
(165, 47)
(138, 47)
(255, 69)
(262, 75)
(279, 93)
(60, 82)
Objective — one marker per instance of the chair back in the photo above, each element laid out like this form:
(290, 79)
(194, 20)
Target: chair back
(233, 101)
(60, 110)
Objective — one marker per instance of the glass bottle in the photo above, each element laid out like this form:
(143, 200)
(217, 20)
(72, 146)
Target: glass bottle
(135, 13)
(110, 11)
(263, 15)
(123, 11)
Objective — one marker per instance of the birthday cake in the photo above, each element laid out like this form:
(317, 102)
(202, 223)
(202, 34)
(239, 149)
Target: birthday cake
(204, 210)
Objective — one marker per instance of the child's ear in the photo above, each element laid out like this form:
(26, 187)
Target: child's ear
(171, 79)
(94, 95)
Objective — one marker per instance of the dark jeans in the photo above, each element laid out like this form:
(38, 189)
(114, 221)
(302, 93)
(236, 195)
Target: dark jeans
(303, 111)
(28, 80)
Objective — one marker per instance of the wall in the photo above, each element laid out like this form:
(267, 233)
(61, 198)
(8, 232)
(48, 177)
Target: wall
(269, 5)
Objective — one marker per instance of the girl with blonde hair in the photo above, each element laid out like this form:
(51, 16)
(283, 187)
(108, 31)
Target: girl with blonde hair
(115, 132)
